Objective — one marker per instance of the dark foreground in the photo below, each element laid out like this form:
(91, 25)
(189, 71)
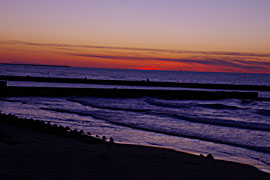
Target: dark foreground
(35, 150)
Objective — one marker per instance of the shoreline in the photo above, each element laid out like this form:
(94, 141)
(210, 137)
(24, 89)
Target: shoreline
(196, 153)
(31, 149)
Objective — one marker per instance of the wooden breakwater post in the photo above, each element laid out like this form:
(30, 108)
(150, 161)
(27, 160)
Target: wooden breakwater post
(3, 88)
(3, 84)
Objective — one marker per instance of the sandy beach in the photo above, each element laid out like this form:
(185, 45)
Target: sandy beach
(27, 152)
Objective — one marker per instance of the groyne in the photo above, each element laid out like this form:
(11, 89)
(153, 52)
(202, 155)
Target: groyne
(146, 83)
(123, 93)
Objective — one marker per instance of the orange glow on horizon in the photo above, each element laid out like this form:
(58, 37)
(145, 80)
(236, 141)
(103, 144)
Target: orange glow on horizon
(149, 68)
(132, 58)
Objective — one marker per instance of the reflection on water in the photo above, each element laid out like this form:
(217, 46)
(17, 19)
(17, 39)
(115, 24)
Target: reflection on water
(229, 129)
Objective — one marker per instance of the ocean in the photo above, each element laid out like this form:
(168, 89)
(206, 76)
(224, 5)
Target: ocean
(230, 129)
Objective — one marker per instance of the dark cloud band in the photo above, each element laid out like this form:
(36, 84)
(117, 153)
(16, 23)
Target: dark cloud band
(138, 49)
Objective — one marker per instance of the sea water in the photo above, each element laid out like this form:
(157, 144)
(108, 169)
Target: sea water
(230, 129)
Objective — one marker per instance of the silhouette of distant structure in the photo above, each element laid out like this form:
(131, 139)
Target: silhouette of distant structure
(3, 83)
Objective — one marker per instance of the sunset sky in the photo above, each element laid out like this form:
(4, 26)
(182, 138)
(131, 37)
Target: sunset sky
(192, 35)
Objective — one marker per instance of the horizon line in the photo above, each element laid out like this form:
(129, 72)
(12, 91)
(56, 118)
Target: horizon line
(54, 65)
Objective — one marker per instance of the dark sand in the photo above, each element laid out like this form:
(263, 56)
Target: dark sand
(26, 153)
